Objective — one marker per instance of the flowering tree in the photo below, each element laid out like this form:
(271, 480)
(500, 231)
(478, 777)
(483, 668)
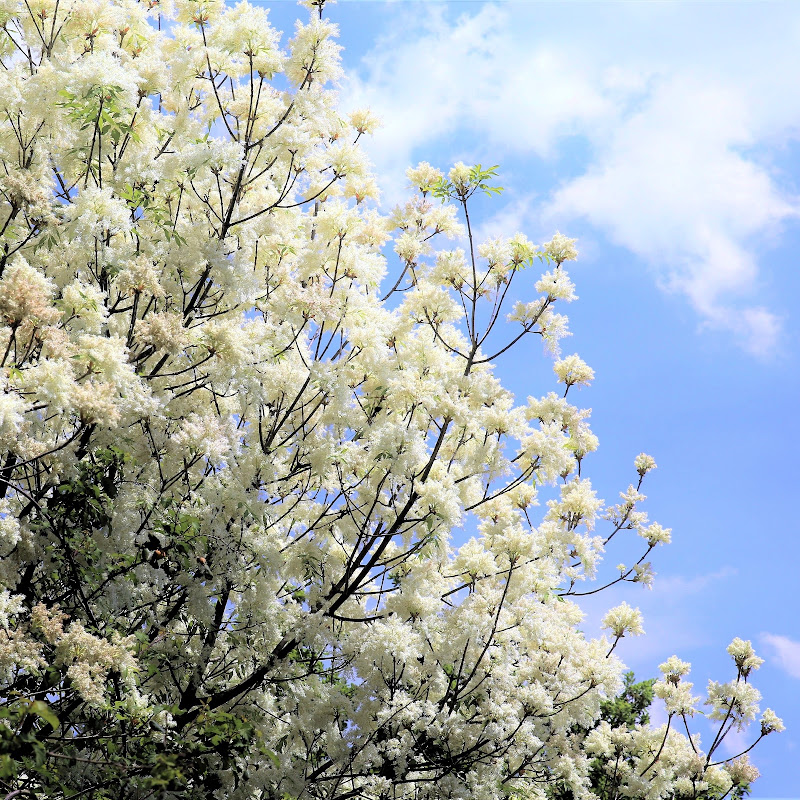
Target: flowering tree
(629, 710)
(234, 450)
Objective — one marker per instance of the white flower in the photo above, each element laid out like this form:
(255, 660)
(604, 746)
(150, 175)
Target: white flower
(12, 409)
(409, 246)
(26, 295)
(771, 722)
(579, 502)
(460, 175)
(314, 56)
(10, 606)
(474, 561)
(624, 620)
(735, 700)
(204, 435)
(644, 463)
(100, 70)
(644, 574)
(165, 331)
(655, 534)
(139, 275)
(557, 286)
(364, 121)
(673, 669)
(560, 248)
(744, 656)
(495, 251)
(742, 771)
(522, 249)
(423, 176)
(84, 303)
(96, 213)
(95, 402)
(677, 697)
(10, 528)
(573, 370)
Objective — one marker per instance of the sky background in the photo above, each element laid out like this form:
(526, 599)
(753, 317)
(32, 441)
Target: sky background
(666, 138)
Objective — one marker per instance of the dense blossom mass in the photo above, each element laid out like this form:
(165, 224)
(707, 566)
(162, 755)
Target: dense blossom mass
(242, 413)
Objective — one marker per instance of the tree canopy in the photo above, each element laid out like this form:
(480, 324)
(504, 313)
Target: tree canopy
(242, 414)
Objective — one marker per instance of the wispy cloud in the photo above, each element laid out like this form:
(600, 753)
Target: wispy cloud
(785, 651)
(682, 586)
(674, 135)
(671, 621)
(430, 78)
(672, 185)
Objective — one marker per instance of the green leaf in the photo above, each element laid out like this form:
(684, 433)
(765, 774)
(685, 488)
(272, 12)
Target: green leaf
(42, 710)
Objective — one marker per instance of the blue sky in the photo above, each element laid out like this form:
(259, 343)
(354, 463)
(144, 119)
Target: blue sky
(666, 138)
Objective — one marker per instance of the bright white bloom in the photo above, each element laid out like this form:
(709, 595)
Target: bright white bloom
(495, 251)
(26, 295)
(674, 669)
(578, 505)
(139, 275)
(95, 403)
(12, 419)
(10, 528)
(560, 248)
(364, 121)
(771, 722)
(736, 700)
(85, 305)
(742, 771)
(644, 574)
(522, 249)
(409, 246)
(655, 534)
(644, 463)
(557, 286)
(203, 435)
(88, 659)
(98, 213)
(423, 176)
(744, 656)
(165, 331)
(677, 697)
(460, 175)
(624, 620)
(10, 606)
(573, 370)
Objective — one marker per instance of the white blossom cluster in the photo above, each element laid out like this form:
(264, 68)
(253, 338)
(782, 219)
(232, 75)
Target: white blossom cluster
(242, 413)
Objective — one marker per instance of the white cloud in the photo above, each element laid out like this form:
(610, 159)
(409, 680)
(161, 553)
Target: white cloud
(672, 185)
(510, 218)
(681, 586)
(669, 129)
(429, 79)
(671, 621)
(786, 652)
(670, 615)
